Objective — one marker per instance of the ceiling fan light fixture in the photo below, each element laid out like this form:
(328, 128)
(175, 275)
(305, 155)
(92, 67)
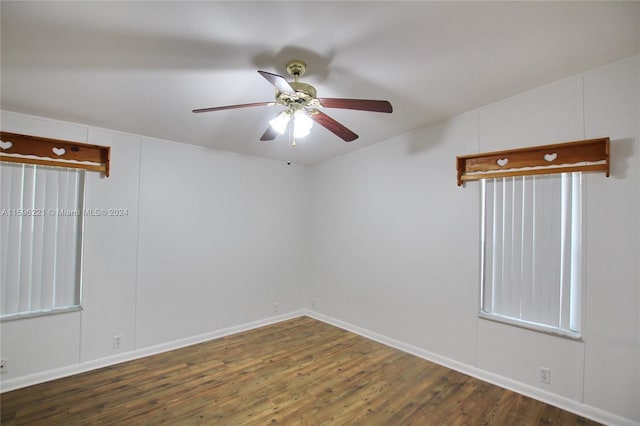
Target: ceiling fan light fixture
(302, 124)
(279, 123)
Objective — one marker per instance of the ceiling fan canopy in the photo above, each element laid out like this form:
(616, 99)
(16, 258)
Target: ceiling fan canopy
(303, 106)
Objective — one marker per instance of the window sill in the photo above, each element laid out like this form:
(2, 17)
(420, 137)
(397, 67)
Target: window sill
(554, 331)
(55, 311)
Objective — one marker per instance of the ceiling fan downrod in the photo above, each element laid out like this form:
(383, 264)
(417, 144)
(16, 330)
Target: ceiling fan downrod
(296, 69)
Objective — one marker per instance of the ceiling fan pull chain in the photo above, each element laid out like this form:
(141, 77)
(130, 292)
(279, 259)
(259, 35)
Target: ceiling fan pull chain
(292, 141)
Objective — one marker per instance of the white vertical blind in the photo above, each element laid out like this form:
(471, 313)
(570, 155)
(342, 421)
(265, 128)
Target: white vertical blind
(41, 227)
(532, 256)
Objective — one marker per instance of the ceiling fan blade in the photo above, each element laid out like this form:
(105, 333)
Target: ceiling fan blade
(232, 107)
(269, 134)
(333, 126)
(359, 104)
(278, 81)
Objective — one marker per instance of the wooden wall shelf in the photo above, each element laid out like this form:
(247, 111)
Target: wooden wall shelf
(17, 148)
(587, 155)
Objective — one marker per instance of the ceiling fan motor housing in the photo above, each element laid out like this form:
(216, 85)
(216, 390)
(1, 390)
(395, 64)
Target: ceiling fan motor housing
(304, 96)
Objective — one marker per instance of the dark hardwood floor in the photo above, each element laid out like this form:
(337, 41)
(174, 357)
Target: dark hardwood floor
(297, 372)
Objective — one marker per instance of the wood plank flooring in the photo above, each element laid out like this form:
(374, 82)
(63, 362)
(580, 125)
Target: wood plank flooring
(297, 372)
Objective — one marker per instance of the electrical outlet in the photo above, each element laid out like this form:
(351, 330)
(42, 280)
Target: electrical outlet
(117, 341)
(4, 368)
(276, 308)
(544, 375)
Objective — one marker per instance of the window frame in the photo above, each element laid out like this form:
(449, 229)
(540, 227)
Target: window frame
(523, 323)
(79, 245)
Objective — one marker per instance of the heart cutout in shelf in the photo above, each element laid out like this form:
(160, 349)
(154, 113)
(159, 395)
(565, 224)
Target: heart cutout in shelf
(502, 162)
(59, 151)
(550, 157)
(5, 144)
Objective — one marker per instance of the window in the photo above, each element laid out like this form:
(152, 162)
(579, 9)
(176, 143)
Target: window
(41, 248)
(531, 251)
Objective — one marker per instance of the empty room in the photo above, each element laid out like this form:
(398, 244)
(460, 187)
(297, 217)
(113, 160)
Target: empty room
(320, 213)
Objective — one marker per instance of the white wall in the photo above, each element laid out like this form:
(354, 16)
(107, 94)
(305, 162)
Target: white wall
(395, 247)
(212, 240)
(222, 238)
(613, 217)
(386, 253)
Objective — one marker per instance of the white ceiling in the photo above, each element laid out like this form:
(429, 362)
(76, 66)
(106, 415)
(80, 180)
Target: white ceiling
(141, 67)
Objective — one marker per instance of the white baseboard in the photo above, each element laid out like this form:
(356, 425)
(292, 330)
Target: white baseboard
(45, 376)
(564, 403)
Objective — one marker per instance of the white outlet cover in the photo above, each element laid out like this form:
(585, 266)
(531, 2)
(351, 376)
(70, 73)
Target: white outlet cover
(545, 375)
(117, 341)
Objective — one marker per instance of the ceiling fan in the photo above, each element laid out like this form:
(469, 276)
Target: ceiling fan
(303, 107)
